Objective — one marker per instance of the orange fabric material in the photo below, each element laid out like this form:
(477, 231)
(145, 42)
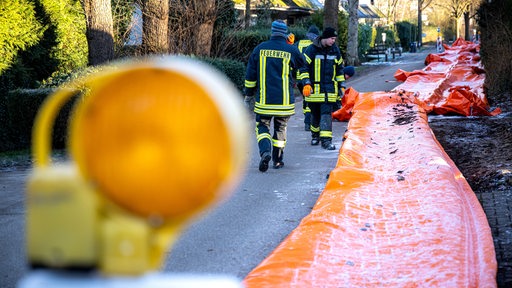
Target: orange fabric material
(395, 212)
(347, 103)
(451, 83)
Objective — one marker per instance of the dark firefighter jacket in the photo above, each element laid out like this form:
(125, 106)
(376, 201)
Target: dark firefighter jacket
(323, 71)
(302, 45)
(269, 76)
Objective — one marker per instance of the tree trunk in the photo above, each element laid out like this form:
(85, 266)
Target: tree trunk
(247, 13)
(467, 35)
(203, 37)
(99, 31)
(352, 37)
(457, 27)
(331, 14)
(420, 23)
(155, 17)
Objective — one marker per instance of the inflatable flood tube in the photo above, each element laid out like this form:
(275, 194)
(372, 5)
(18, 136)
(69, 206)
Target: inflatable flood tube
(395, 212)
(451, 83)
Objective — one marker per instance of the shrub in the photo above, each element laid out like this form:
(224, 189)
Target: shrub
(390, 36)
(364, 38)
(234, 70)
(45, 37)
(19, 30)
(407, 33)
(69, 49)
(244, 41)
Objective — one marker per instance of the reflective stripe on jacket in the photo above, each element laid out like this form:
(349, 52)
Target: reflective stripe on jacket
(269, 76)
(323, 71)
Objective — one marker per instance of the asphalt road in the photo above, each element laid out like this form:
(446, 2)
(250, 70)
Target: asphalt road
(236, 235)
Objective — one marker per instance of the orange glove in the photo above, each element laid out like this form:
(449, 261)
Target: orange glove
(290, 39)
(306, 91)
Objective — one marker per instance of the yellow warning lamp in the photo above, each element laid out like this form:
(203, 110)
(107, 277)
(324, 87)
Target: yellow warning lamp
(152, 143)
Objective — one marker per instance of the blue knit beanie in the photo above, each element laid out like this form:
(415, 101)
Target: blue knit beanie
(349, 70)
(313, 32)
(279, 28)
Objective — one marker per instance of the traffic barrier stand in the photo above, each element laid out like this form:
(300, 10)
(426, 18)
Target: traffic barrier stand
(131, 183)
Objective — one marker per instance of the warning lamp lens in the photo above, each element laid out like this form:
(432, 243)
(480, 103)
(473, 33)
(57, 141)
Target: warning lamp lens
(154, 141)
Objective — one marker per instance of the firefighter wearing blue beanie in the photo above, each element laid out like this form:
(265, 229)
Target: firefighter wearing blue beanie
(269, 92)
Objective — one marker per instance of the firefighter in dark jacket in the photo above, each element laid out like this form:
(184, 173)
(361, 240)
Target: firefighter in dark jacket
(269, 83)
(312, 34)
(322, 78)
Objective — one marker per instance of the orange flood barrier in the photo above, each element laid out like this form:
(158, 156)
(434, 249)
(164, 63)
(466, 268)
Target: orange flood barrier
(396, 211)
(452, 82)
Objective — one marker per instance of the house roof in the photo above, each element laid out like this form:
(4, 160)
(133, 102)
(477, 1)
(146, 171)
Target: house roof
(369, 11)
(364, 10)
(305, 5)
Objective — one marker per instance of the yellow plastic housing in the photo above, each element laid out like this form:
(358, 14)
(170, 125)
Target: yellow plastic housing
(125, 245)
(62, 219)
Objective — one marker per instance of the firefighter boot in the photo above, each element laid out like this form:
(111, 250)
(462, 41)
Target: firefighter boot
(265, 158)
(277, 157)
(327, 145)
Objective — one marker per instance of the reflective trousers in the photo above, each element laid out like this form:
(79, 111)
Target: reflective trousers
(321, 120)
(275, 143)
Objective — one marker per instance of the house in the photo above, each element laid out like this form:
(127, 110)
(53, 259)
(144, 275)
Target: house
(369, 14)
(291, 10)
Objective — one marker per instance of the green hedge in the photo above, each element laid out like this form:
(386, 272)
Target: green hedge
(18, 110)
(19, 107)
(407, 33)
(243, 42)
(234, 70)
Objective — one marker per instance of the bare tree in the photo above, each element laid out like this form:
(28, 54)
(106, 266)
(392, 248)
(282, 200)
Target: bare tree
(422, 5)
(99, 30)
(155, 18)
(395, 10)
(391, 10)
(352, 37)
(457, 9)
(331, 8)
